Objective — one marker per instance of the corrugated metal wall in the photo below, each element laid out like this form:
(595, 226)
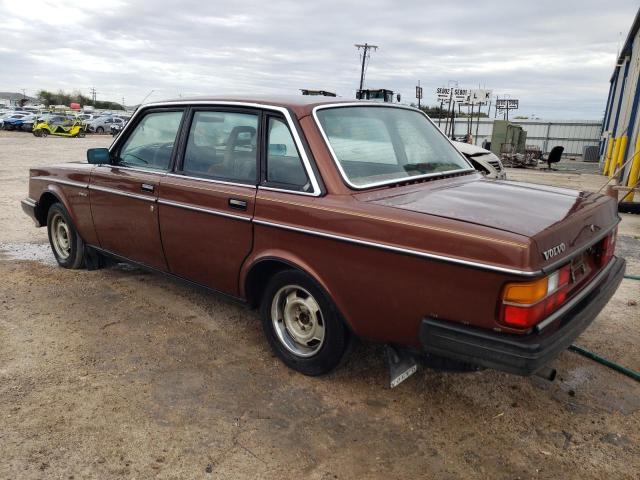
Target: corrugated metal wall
(572, 135)
(622, 116)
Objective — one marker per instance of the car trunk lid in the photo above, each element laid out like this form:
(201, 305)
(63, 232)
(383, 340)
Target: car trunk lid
(560, 221)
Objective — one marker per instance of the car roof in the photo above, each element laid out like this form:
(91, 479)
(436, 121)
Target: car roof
(302, 105)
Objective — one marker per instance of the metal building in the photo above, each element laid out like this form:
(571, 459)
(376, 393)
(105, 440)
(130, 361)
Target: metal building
(573, 135)
(620, 144)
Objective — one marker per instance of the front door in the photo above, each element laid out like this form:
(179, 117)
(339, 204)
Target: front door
(124, 194)
(206, 207)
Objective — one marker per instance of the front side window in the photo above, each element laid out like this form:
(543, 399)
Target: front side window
(284, 165)
(150, 145)
(378, 145)
(222, 145)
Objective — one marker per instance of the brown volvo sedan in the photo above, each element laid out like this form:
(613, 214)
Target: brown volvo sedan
(339, 220)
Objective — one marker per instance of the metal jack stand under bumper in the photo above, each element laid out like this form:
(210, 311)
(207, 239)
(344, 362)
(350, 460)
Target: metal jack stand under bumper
(401, 365)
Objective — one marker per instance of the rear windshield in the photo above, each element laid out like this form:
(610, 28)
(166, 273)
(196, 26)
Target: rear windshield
(378, 145)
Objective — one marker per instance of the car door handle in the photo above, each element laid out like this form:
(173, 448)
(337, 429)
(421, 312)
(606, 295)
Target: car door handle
(146, 187)
(238, 204)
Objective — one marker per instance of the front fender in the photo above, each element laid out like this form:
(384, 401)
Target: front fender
(61, 197)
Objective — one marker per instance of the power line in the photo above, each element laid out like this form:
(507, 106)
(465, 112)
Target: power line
(366, 48)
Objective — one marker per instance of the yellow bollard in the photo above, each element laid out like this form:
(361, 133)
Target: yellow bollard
(614, 157)
(623, 149)
(634, 174)
(607, 157)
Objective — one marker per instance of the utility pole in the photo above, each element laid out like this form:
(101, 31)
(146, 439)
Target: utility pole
(365, 54)
(93, 92)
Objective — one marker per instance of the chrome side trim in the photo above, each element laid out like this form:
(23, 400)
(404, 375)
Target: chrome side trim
(135, 169)
(188, 206)
(121, 193)
(29, 201)
(571, 303)
(283, 190)
(345, 178)
(284, 111)
(70, 183)
(211, 180)
(406, 251)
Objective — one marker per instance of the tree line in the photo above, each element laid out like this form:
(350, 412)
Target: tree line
(64, 98)
(437, 112)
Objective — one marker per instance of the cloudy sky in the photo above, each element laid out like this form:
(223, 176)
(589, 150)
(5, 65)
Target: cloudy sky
(555, 56)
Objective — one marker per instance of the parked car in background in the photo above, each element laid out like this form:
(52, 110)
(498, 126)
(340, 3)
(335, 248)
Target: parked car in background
(28, 121)
(339, 219)
(13, 121)
(61, 126)
(484, 161)
(103, 124)
(85, 117)
(116, 128)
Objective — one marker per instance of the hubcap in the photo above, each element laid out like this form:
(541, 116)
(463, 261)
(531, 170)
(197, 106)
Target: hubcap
(298, 321)
(60, 236)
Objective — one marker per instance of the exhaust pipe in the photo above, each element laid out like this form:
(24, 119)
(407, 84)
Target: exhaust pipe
(547, 373)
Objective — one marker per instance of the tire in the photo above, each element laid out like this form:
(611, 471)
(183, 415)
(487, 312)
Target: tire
(302, 325)
(44, 133)
(66, 244)
(100, 130)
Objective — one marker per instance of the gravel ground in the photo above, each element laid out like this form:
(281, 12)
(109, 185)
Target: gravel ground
(120, 373)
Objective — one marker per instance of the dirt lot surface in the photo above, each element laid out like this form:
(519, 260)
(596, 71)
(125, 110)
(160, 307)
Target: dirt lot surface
(120, 373)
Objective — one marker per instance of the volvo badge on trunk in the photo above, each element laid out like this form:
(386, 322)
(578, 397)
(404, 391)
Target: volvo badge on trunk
(554, 251)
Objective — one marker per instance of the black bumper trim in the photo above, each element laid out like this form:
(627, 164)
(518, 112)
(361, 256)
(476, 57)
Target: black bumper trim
(520, 354)
(29, 207)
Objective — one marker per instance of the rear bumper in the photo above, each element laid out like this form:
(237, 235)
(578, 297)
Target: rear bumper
(523, 354)
(29, 207)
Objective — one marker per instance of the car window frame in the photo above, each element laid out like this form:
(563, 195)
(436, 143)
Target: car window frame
(179, 161)
(264, 182)
(373, 185)
(121, 140)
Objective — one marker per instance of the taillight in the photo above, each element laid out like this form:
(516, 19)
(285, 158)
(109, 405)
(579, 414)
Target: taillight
(608, 248)
(526, 303)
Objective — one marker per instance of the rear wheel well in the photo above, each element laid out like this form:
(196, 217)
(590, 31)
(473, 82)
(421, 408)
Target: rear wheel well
(259, 276)
(44, 204)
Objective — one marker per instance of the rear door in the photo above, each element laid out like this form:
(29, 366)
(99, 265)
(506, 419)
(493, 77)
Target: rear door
(124, 195)
(206, 206)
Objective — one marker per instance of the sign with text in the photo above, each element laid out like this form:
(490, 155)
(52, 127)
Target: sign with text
(460, 94)
(507, 104)
(419, 92)
(479, 96)
(443, 93)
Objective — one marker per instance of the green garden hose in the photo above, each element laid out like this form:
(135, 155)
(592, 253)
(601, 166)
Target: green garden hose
(633, 277)
(607, 363)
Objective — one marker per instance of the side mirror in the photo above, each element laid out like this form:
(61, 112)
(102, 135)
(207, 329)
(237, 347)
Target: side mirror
(98, 156)
(398, 97)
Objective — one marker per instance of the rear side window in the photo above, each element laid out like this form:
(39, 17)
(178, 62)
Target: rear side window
(284, 165)
(222, 145)
(151, 143)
